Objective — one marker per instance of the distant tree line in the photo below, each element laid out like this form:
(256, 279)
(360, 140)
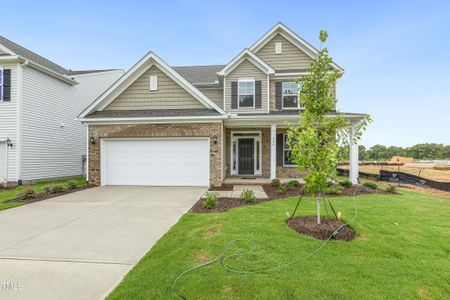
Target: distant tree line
(418, 151)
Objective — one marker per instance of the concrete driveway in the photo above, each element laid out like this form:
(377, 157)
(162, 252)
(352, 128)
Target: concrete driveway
(80, 245)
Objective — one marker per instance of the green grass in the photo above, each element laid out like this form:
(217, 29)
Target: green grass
(9, 194)
(401, 252)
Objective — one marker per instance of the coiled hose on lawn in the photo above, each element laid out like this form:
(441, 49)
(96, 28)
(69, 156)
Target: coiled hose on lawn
(223, 257)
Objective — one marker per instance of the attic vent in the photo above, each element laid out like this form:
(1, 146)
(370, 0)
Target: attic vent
(278, 48)
(153, 83)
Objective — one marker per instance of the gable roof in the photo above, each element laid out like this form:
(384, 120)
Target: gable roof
(30, 55)
(135, 72)
(200, 74)
(246, 54)
(292, 37)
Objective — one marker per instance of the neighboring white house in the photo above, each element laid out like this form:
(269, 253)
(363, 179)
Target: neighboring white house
(40, 136)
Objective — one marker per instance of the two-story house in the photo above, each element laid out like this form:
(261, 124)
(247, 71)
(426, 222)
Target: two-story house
(40, 135)
(202, 125)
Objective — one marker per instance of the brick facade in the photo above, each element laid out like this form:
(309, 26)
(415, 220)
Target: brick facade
(157, 130)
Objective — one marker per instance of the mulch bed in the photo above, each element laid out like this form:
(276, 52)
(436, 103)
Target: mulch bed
(309, 226)
(224, 187)
(45, 196)
(226, 203)
(272, 192)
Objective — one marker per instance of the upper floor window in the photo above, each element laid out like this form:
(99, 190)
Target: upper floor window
(290, 95)
(246, 93)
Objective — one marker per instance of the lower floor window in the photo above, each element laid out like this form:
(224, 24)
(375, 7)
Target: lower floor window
(286, 152)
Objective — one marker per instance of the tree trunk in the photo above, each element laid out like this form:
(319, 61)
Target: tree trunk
(318, 209)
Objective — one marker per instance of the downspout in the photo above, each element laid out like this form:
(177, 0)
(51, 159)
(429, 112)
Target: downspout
(19, 120)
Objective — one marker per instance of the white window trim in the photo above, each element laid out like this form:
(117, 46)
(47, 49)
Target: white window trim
(256, 138)
(239, 94)
(283, 95)
(284, 152)
(278, 45)
(150, 86)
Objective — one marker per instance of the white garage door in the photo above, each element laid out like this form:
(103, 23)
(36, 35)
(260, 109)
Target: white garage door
(158, 162)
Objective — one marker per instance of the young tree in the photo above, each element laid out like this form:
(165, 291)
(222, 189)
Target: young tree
(316, 138)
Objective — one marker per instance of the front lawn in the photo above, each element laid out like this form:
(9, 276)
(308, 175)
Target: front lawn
(401, 252)
(8, 194)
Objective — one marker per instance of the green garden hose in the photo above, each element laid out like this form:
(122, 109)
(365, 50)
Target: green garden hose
(222, 258)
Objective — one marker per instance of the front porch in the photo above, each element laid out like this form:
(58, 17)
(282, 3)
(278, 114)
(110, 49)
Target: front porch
(257, 154)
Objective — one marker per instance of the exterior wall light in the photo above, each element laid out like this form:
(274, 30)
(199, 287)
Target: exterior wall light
(214, 139)
(92, 140)
(9, 143)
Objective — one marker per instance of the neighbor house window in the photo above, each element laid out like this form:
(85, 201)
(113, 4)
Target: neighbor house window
(5, 85)
(290, 95)
(286, 152)
(1, 84)
(246, 92)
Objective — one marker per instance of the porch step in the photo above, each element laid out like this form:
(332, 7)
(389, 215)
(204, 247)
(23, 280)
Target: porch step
(246, 180)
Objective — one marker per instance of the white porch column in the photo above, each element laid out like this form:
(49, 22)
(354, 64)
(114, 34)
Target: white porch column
(273, 151)
(354, 160)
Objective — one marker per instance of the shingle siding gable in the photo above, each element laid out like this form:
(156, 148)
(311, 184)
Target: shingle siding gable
(291, 57)
(169, 95)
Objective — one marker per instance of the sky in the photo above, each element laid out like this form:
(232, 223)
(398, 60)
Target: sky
(396, 54)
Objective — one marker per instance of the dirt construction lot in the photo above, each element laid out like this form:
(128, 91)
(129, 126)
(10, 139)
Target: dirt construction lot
(437, 175)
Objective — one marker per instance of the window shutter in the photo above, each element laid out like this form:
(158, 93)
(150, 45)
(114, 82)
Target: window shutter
(280, 149)
(234, 94)
(258, 89)
(7, 85)
(278, 95)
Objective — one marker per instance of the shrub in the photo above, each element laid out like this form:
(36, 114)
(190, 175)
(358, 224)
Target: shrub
(47, 188)
(371, 185)
(345, 183)
(54, 188)
(248, 195)
(282, 189)
(275, 182)
(211, 200)
(27, 192)
(293, 183)
(391, 189)
(335, 189)
(72, 184)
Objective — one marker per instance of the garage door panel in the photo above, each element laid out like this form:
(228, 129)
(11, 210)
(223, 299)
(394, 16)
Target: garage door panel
(164, 162)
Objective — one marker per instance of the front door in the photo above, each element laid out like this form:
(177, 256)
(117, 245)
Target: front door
(246, 156)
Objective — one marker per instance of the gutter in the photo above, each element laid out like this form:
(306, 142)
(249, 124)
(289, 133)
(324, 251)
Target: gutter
(152, 119)
(26, 62)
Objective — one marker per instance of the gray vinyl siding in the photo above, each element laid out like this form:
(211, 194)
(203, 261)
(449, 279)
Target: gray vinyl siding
(247, 70)
(53, 140)
(290, 58)
(170, 95)
(215, 94)
(8, 124)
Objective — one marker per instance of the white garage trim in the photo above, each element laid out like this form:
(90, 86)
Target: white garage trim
(164, 172)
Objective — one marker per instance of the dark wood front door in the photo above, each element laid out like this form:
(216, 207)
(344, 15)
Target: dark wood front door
(246, 156)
